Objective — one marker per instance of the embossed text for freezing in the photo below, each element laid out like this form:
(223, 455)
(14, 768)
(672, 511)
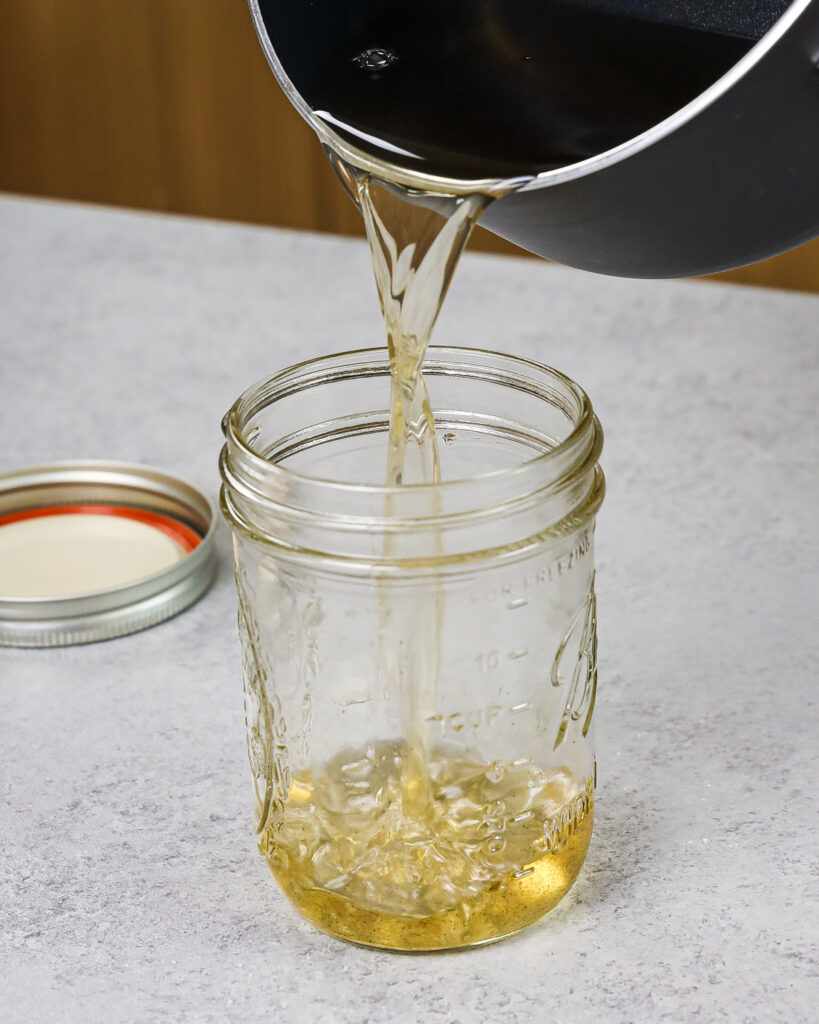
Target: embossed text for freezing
(514, 593)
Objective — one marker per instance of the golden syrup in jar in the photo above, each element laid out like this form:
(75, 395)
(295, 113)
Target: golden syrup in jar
(484, 854)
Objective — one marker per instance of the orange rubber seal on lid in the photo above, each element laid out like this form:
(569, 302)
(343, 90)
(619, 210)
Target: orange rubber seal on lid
(184, 536)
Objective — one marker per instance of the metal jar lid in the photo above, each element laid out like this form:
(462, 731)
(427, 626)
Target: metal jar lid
(143, 494)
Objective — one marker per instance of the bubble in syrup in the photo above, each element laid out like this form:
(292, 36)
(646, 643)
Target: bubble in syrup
(377, 58)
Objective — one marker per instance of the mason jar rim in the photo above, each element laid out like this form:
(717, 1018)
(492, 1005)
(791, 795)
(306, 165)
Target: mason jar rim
(307, 373)
(533, 503)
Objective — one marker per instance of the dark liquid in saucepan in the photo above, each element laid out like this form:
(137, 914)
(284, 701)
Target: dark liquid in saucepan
(491, 88)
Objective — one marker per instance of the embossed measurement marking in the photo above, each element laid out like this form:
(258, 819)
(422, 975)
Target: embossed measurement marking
(488, 661)
(477, 718)
(519, 762)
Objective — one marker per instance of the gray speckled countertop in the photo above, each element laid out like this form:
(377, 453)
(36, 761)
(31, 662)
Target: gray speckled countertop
(130, 886)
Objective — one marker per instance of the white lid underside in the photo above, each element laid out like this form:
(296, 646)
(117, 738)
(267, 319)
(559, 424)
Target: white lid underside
(78, 554)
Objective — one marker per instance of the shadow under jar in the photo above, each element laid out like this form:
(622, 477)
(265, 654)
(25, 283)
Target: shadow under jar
(419, 662)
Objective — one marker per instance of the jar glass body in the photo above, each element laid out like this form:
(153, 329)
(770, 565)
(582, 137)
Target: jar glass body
(419, 662)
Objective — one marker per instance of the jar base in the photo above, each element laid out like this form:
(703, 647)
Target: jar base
(503, 909)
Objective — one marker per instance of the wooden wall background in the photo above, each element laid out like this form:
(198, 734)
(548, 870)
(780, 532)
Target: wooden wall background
(169, 105)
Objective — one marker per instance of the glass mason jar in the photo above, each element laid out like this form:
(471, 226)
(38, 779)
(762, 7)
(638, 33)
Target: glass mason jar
(420, 662)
